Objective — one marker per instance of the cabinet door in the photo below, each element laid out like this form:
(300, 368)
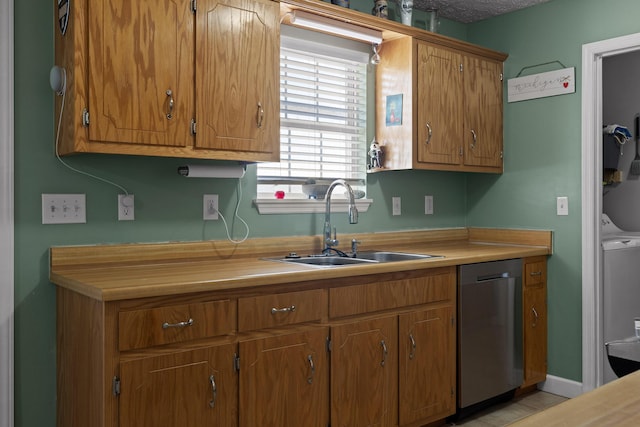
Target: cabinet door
(364, 373)
(141, 72)
(427, 365)
(189, 389)
(284, 380)
(535, 334)
(440, 105)
(534, 319)
(237, 69)
(483, 112)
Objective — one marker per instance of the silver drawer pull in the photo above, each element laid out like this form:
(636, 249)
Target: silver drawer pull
(166, 325)
(413, 347)
(312, 369)
(214, 391)
(260, 116)
(283, 310)
(535, 273)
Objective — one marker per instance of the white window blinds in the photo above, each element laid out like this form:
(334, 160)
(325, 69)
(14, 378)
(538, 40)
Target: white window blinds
(323, 100)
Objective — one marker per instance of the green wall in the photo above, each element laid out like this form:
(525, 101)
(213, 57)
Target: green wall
(168, 207)
(542, 161)
(543, 149)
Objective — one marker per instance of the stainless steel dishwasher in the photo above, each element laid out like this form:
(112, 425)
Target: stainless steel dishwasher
(489, 333)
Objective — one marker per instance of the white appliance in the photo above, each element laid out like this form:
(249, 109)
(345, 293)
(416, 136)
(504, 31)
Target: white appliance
(621, 287)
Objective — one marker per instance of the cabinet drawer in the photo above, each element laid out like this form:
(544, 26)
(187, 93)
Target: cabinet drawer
(269, 311)
(166, 325)
(535, 273)
(437, 285)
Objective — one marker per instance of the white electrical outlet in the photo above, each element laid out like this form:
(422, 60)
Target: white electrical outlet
(210, 207)
(428, 205)
(396, 206)
(63, 209)
(126, 210)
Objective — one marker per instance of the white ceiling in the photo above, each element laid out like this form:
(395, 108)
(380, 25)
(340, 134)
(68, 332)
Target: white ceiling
(467, 11)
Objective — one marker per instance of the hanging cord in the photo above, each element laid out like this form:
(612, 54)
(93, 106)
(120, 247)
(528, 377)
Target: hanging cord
(235, 214)
(64, 94)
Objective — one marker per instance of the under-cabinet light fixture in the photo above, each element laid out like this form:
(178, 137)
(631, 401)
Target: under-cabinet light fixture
(335, 27)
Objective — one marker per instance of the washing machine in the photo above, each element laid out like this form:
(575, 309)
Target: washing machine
(621, 287)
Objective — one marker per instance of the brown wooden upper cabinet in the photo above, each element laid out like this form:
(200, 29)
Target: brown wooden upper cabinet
(450, 104)
(164, 78)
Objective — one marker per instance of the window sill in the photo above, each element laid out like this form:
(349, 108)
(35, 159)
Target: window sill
(283, 206)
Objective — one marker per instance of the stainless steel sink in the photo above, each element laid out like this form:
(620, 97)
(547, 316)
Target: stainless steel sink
(324, 261)
(361, 258)
(385, 256)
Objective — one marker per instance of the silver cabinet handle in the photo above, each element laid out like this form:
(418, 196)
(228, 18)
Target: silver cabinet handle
(384, 352)
(413, 347)
(166, 325)
(170, 112)
(535, 317)
(214, 391)
(429, 134)
(312, 368)
(283, 310)
(536, 273)
(475, 138)
(260, 117)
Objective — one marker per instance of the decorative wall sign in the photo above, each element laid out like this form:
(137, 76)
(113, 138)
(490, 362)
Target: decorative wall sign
(559, 82)
(63, 15)
(394, 110)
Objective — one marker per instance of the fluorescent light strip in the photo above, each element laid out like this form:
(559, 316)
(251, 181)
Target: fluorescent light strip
(338, 28)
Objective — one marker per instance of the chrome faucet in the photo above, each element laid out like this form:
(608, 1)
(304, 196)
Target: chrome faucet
(330, 241)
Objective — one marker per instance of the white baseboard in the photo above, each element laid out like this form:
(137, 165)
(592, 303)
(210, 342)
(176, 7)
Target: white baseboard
(561, 386)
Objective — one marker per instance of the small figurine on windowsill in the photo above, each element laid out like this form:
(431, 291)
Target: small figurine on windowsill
(375, 155)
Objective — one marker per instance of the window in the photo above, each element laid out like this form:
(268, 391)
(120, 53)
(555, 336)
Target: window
(323, 115)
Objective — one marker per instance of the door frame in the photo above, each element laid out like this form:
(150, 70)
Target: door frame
(592, 54)
(6, 215)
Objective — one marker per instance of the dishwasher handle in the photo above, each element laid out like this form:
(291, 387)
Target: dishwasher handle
(495, 276)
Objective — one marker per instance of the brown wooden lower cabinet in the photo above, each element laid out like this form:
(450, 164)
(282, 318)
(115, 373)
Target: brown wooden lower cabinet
(364, 373)
(284, 380)
(187, 388)
(388, 359)
(427, 365)
(534, 320)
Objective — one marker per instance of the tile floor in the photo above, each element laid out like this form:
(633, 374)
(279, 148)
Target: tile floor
(503, 414)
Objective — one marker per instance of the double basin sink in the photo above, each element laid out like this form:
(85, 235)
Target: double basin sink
(360, 258)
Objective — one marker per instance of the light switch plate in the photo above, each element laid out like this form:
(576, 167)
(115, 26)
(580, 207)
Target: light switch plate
(63, 209)
(562, 205)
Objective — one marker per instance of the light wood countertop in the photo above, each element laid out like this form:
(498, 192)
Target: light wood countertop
(118, 272)
(614, 404)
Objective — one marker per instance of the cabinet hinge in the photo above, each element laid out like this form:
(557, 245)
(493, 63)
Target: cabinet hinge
(328, 345)
(85, 117)
(501, 154)
(461, 67)
(501, 77)
(236, 363)
(115, 386)
(193, 126)
(193, 6)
